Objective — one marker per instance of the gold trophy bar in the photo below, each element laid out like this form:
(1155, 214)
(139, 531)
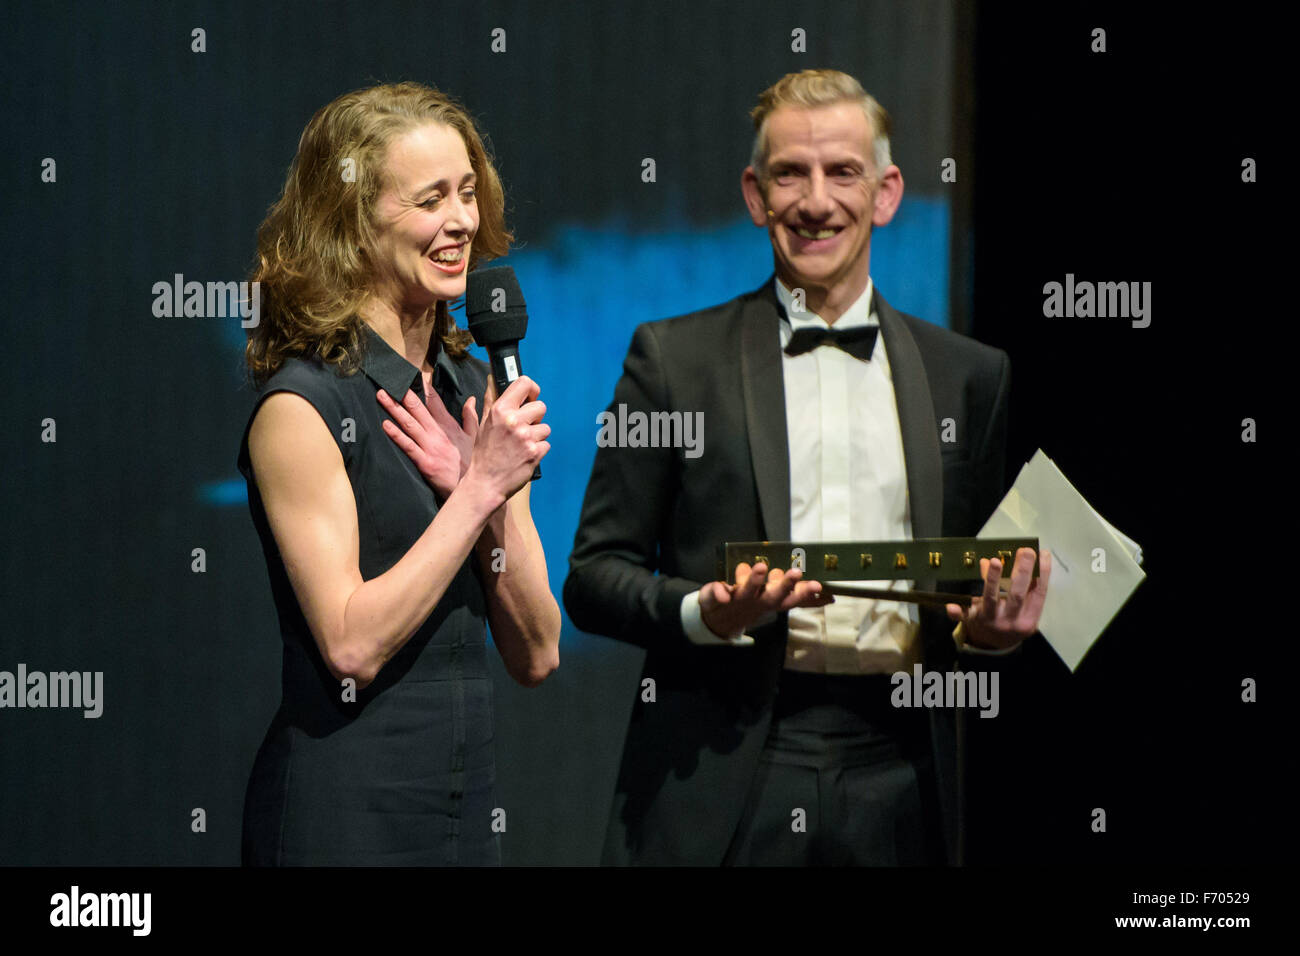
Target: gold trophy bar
(948, 559)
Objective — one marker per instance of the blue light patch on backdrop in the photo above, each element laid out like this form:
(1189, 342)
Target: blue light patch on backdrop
(588, 287)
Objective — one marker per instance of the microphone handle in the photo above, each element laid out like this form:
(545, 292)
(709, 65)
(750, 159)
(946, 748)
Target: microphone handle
(506, 367)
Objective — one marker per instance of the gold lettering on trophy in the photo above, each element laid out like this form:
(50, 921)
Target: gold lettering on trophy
(968, 559)
(1005, 557)
(865, 559)
(900, 561)
(935, 558)
(832, 561)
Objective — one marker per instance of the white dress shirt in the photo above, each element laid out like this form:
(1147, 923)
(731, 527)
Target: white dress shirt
(848, 482)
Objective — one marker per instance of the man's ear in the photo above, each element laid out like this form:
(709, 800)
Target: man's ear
(753, 193)
(888, 195)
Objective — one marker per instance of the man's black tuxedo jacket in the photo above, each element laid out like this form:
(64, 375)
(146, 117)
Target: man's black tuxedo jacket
(653, 518)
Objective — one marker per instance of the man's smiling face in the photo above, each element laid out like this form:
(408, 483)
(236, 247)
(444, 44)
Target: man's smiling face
(824, 194)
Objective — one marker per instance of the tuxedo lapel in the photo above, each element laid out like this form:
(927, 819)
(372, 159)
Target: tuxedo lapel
(764, 395)
(916, 421)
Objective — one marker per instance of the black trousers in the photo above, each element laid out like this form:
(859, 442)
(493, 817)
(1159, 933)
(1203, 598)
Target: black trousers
(845, 779)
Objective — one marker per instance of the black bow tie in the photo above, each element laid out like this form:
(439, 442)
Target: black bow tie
(858, 342)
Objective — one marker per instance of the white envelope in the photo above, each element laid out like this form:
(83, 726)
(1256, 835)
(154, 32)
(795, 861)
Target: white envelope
(1095, 566)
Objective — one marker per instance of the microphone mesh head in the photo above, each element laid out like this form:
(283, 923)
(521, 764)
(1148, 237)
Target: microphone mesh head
(494, 306)
(494, 290)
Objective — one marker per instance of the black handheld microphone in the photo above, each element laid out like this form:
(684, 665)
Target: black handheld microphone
(494, 308)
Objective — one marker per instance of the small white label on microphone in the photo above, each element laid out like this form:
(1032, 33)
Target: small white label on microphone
(512, 368)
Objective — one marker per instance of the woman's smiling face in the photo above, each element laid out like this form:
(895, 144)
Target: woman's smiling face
(425, 219)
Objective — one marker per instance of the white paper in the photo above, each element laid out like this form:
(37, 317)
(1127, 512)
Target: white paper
(1082, 599)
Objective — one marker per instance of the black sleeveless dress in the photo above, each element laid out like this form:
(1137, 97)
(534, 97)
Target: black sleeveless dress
(404, 775)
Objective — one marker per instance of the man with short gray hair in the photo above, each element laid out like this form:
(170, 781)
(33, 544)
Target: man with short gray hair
(771, 738)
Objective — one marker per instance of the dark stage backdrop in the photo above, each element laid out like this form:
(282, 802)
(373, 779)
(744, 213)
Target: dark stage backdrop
(164, 160)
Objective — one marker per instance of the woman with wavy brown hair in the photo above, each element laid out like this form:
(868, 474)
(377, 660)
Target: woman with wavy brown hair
(393, 514)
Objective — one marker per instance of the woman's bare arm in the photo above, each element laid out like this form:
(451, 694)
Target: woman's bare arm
(358, 625)
(521, 609)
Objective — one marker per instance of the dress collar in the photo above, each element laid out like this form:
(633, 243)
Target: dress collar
(394, 374)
